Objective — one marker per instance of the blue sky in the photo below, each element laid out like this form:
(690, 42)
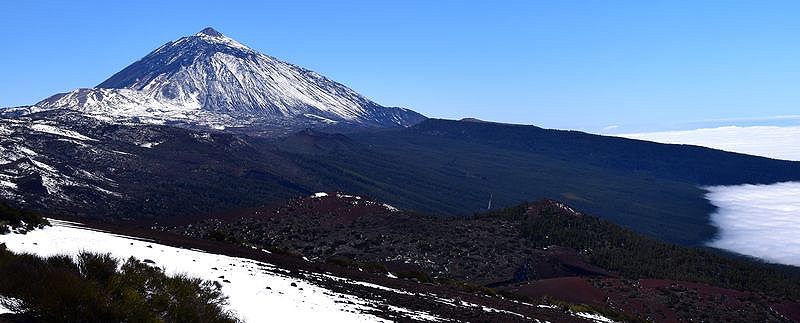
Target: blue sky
(591, 65)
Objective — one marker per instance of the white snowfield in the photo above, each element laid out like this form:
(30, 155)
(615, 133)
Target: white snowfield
(758, 220)
(4, 310)
(258, 292)
(767, 141)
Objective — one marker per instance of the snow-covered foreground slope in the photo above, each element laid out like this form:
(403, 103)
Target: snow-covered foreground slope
(4, 310)
(762, 221)
(265, 292)
(258, 292)
(767, 141)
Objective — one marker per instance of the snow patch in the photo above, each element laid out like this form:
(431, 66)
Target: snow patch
(594, 317)
(391, 208)
(27, 151)
(60, 132)
(150, 144)
(316, 117)
(7, 184)
(43, 166)
(3, 309)
(416, 315)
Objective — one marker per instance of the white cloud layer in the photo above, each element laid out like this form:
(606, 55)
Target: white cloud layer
(767, 141)
(758, 220)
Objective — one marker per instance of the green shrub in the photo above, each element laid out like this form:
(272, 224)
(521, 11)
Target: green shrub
(11, 218)
(97, 288)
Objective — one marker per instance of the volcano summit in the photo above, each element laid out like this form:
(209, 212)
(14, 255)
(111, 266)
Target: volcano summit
(208, 80)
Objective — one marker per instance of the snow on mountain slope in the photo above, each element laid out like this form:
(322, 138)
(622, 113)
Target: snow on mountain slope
(26, 164)
(64, 160)
(134, 106)
(213, 81)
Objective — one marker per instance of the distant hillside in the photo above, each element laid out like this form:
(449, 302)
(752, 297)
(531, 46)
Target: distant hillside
(66, 163)
(455, 167)
(694, 164)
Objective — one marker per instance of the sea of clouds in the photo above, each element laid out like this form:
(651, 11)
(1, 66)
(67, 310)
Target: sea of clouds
(768, 141)
(762, 221)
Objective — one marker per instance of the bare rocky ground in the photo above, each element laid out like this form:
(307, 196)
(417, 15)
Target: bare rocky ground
(478, 260)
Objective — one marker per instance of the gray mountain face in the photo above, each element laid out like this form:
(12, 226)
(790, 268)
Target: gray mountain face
(208, 80)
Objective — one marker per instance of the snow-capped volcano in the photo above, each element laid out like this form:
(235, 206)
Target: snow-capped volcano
(211, 80)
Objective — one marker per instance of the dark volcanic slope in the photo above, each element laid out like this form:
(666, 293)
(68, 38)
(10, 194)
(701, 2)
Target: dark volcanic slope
(127, 171)
(225, 94)
(343, 228)
(693, 164)
(455, 167)
(67, 163)
(528, 252)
